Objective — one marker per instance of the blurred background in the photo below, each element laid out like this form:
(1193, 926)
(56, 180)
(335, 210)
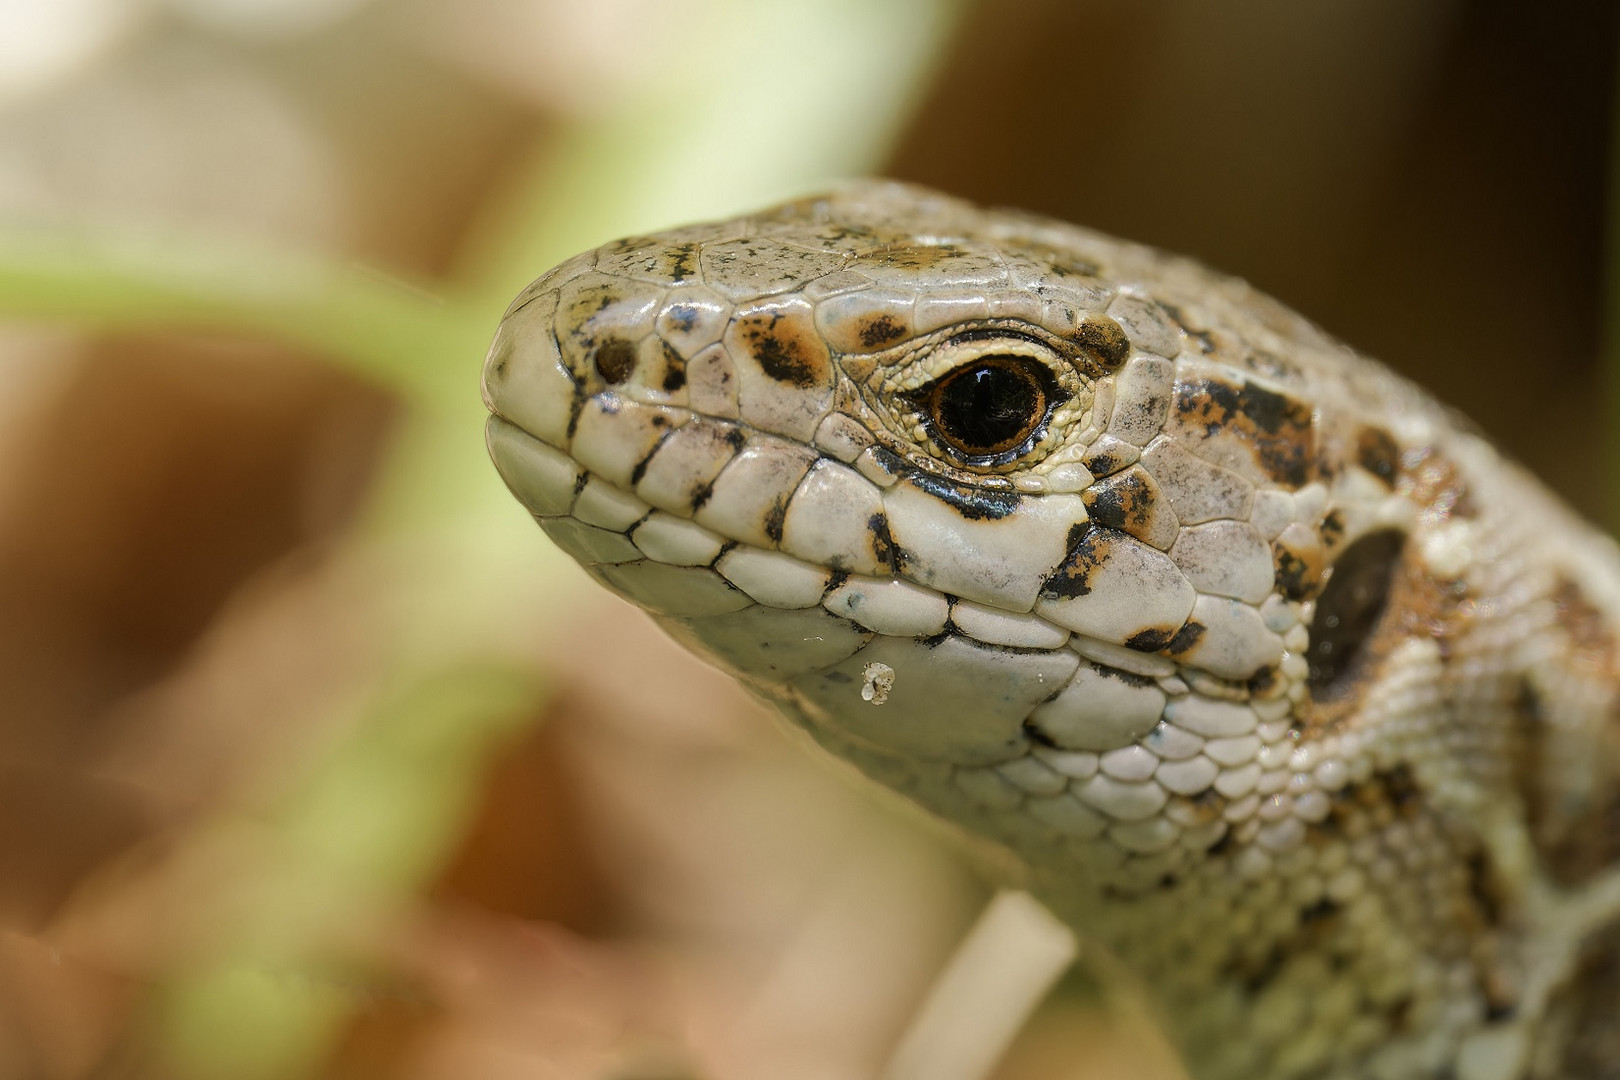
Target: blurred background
(317, 761)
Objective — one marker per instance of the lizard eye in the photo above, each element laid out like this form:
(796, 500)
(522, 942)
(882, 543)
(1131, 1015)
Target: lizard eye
(1348, 610)
(991, 410)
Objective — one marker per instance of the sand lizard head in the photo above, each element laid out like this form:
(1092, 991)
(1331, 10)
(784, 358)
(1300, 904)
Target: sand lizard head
(1014, 515)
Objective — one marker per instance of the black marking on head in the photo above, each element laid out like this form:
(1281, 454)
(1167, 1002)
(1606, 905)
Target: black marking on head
(1402, 788)
(936, 640)
(1333, 528)
(1127, 501)
(674, 370)
(1204, 340)
(774, 517)
(1087, 551)
(880, 330)
(1185, 638)
(580, 481)
(884, 550)
(782, 362)
(701, 493)
(1323, 909)
(574, 411)
(1152, 639)
(1101, 463)
(682, 263)
(973, 503)
(640, 469)
(736, 437)
(1129, 678)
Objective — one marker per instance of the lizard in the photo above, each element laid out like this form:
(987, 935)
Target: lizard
(1268, 672)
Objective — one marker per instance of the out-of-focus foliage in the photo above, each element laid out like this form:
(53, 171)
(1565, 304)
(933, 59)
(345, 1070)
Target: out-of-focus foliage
(210, 189)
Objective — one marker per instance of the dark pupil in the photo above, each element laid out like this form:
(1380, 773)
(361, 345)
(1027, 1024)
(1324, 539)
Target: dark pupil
(1348, 610)
(989, 408)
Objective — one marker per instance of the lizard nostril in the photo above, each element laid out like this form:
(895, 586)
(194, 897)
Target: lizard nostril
(615, 360)
(1348, 610)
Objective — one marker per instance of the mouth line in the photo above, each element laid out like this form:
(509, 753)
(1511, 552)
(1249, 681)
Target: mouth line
(603, 525)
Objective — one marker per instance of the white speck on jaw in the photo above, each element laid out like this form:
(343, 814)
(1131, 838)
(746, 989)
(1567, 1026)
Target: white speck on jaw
(876, 682)
(953, 700)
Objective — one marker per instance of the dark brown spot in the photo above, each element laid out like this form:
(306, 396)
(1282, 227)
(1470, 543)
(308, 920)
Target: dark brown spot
(1035, 735)
(1377, 453)
(880, 330)
(1576, 839)
(615, 360)
(681, 266)
(1275, 429)
(784, 342)
(1103, 341)
(1129, 678)
(641, 466)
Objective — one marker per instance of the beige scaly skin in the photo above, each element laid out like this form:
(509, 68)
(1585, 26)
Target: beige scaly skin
(1272, 675)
